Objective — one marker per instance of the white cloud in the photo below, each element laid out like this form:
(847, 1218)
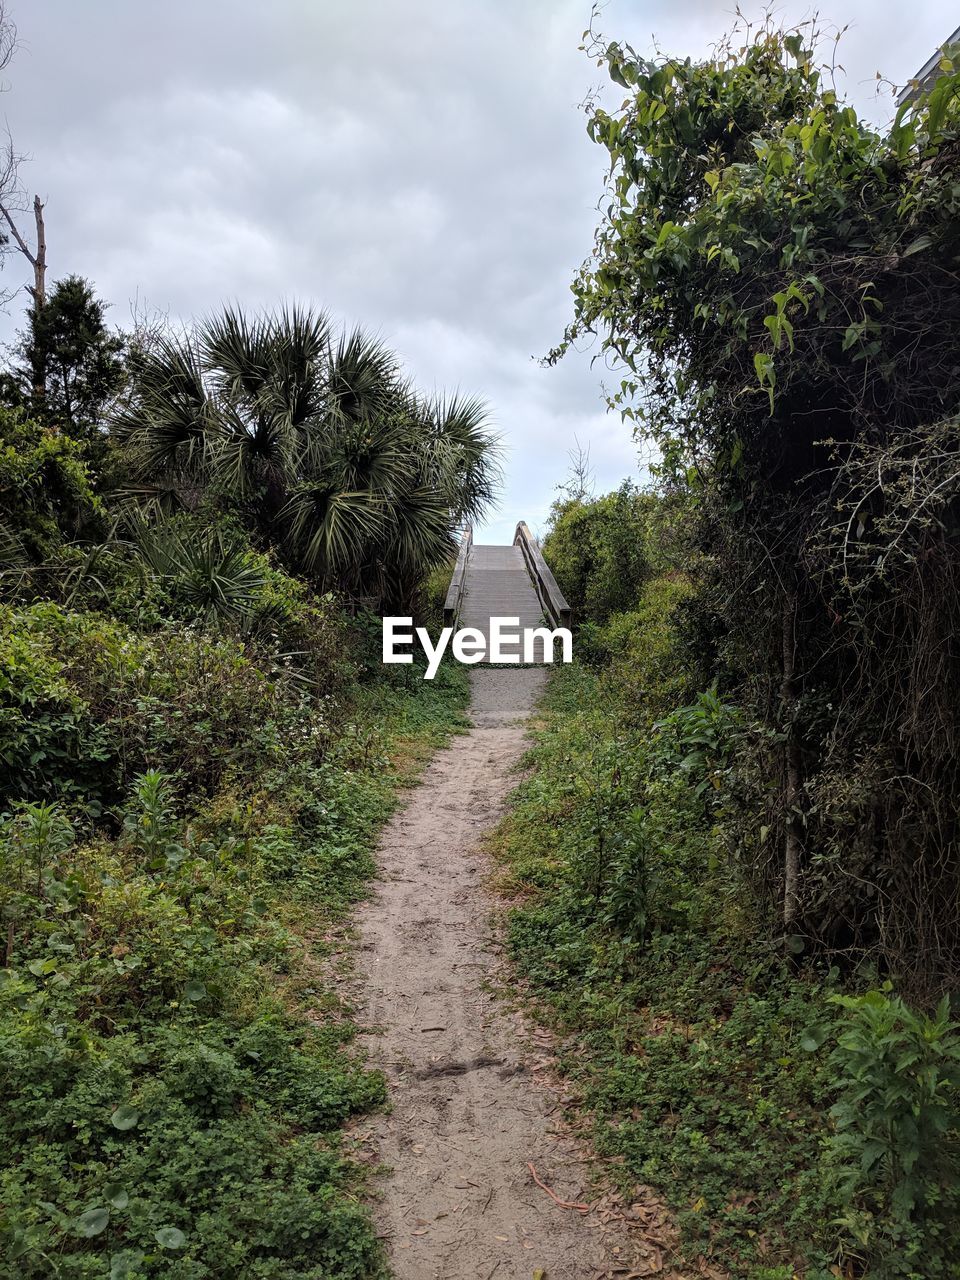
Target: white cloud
(416, 166)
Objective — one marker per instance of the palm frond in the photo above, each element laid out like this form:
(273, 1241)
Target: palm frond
(208, 573)
(166, 425)
(461, 457)
(314, 438)
(362, 377)
(330, 529)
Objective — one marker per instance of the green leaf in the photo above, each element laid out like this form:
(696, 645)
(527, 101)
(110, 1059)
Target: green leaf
(92, 1222)
(126, 1264)
(125, 1117)
(921, 242)
(814, 1036)
(116, 1195)
(766, 373)
(170, 1238)
(195, 990)
(852, 335)
(793, 44)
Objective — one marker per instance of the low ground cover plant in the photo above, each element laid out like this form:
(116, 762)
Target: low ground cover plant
(174, 1076)
(799, 1114)
(795, 1127)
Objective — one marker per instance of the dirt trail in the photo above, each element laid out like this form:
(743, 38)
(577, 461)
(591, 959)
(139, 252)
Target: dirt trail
(467, 1115)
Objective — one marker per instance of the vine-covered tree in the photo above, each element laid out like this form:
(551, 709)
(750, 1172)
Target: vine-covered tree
(778, 282)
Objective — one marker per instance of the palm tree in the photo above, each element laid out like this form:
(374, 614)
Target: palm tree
(316, 441)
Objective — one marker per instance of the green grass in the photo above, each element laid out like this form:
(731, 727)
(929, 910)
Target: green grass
(684, 1046)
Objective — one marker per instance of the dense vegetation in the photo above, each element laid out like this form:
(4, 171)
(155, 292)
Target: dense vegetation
(738, 857)
(799, 1120)
(198, 745)
(778, 283)
(315, 442)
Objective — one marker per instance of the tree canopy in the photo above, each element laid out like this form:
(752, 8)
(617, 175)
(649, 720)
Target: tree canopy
(315, 440)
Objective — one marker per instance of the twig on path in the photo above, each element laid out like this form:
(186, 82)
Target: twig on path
(564, 1204)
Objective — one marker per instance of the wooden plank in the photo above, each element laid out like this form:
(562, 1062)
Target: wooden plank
(451, 605)
(555, 606)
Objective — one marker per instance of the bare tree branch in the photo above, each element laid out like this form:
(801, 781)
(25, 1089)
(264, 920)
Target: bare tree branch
(8, 37)
(10, 190)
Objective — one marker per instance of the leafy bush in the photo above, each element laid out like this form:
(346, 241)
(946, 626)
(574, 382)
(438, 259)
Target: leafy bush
(897, 1072)
(170, 1099)
(433, 594)
(638, 649)
(86, 704)
(684, 1031)
(699, 740)
(796, 393)
(46, 495)
(679, 1029)
(597, 551)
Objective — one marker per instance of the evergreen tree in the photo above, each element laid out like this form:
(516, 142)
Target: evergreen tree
(71, 365)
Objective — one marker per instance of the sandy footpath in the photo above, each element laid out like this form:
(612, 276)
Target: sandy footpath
(468, 1115)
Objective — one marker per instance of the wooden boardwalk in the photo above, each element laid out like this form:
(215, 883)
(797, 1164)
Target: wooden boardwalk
(497, 585)
(505, 582)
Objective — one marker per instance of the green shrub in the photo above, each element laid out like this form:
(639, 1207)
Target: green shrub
(897, 1120)
(678, 1027)
(685, 1032)
(641, 651)
(433, 594)
(167, 1106)
(597, 550)
(86, 704)
(46, 495)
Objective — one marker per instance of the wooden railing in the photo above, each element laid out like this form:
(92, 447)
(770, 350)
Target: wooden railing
(552, 601)
(451, 606)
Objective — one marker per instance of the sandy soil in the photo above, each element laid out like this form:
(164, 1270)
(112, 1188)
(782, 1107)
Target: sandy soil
(470, 1111)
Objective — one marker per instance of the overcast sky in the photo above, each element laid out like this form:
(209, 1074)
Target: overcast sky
(419, 167)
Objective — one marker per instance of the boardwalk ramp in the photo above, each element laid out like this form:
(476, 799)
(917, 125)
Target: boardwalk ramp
(495, 581)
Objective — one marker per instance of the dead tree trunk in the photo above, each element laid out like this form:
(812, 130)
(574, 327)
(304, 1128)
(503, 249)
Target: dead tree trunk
(794, 768)
(37, 260)
(38, 291)
(40, 257)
